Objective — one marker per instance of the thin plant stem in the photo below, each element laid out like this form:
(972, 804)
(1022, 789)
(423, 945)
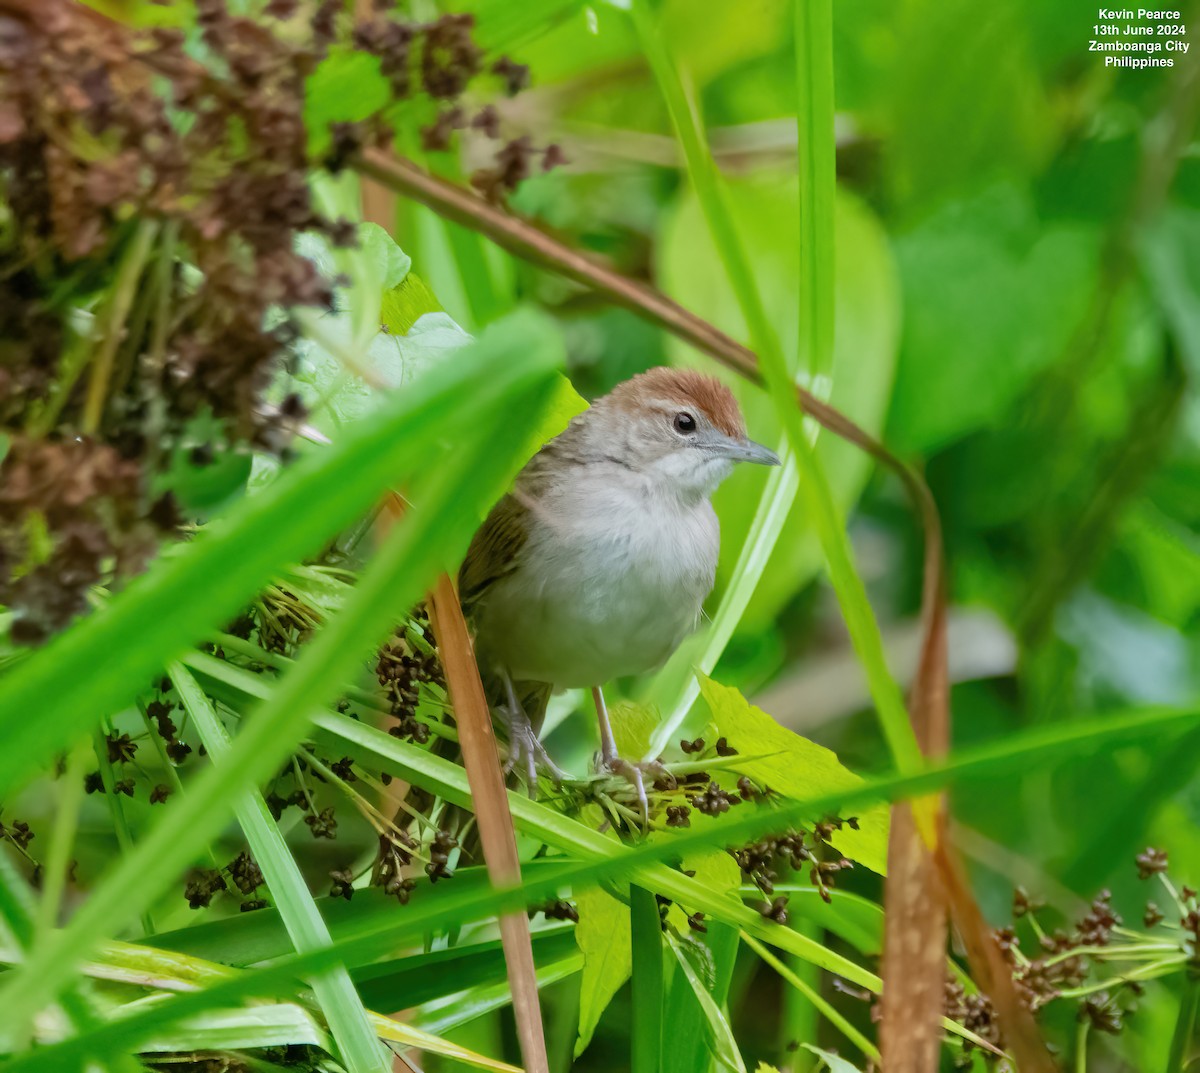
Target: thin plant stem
(1081, 1038)
(128, 274)
(169, 767)
(827, 1011)
(62, 838)
(1185, 1023)
(116, 809)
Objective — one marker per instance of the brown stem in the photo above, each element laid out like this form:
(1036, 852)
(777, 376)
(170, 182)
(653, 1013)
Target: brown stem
(481, 758)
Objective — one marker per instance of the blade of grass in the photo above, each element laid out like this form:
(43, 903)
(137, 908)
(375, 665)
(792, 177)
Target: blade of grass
(144, 966)
(860, 620)
(829, 1012)
(646, 1039)
(677, 686)
(816, 190)
(685, 1013)
(97, 665)
(453, 498)
(62, 839)
(1028, 751)
(339, 1002)
(724, 1046)
(1185, 1023)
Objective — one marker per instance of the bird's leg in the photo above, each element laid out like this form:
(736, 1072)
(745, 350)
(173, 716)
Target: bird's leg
(608, 744)
(523, 745)
(611, 761)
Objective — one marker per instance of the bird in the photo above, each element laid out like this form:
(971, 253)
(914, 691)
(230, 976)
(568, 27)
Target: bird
(597, 563)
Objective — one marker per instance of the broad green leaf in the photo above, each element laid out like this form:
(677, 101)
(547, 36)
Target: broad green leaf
(407, 303)
(991, 299)
(795, 767)
(603, 935)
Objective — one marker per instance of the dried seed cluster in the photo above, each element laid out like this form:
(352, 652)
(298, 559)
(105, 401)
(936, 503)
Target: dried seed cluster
(159, 184)
(1063, 965)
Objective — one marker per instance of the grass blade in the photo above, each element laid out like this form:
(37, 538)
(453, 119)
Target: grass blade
(647, 981)
(724, 1046)
(339, 1002)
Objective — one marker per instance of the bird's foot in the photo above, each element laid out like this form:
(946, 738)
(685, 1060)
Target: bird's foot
(525, 752)
(635, 772)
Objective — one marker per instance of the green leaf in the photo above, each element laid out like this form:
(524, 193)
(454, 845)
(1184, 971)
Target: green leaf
(603, 935)
(339, 1002)
(795, 767)
(406, 303)
(992, 298)
(275, 1025)
(647, 993)
(832, 1061)
(690, 957)
(633, 726)
(346, 87)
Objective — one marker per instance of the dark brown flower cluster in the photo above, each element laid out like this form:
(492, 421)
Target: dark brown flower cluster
(71, 511)
(762, 861)
(1066, 961)
(401, 669)
(159, 184)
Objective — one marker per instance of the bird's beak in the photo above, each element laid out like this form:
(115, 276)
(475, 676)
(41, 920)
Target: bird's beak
(749, 451)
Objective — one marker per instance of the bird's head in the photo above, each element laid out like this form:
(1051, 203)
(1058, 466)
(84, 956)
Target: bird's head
(677, 426)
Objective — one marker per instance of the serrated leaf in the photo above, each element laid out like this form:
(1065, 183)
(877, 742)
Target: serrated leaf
(633, 725)
(795, 767)
(603, 934)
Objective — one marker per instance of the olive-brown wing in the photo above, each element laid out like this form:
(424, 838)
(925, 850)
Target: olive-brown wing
(494, 551)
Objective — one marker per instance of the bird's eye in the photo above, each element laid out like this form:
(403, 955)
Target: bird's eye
(684, 422)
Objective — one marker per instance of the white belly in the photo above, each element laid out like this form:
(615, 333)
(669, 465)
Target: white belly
(602, 596)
